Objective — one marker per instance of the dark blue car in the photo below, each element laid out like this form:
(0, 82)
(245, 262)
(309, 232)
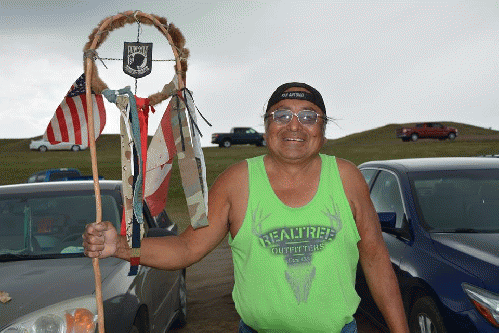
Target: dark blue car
(440, 222)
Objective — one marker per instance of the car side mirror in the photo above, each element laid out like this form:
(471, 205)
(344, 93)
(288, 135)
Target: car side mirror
(160, 232)
(387, 220)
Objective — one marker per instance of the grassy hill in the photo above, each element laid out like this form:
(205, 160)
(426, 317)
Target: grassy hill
(387, 133)
(18, 162)
(381, 143)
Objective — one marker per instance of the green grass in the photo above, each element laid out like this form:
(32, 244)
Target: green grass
(18, 162)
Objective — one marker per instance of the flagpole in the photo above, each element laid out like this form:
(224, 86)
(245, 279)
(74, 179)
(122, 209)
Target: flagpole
(98, 202)
(95, 173)
(89, 63)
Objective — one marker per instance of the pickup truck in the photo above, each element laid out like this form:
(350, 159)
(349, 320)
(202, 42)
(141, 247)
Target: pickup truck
(427, 131)
(238, 136)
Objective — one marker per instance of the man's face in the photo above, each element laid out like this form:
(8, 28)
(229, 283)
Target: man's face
(294, 141)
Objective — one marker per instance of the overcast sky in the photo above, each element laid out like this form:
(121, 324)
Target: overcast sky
(375, 63)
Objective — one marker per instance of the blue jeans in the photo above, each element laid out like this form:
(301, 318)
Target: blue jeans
(348, 328)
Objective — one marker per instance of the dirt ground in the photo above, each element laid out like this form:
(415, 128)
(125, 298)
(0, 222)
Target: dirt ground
(209, 302)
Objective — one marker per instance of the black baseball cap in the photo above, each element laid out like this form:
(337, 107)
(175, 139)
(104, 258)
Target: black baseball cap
(280, 93)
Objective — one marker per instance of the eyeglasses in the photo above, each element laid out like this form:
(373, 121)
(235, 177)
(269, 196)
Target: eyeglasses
(284, 116)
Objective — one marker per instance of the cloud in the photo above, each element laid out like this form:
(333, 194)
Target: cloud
(32, 80)
(375, 63)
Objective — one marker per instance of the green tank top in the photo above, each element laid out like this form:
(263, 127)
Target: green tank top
(294, 268)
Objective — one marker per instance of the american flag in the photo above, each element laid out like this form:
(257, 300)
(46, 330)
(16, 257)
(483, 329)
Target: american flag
(160, 156)
(69, 123)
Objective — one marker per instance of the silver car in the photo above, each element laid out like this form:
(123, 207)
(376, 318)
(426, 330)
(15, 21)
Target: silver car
(43, 146)
(46, 282)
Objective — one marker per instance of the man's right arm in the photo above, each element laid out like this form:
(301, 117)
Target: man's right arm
(101, 240)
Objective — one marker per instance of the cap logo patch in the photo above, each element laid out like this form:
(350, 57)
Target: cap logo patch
(293, 94)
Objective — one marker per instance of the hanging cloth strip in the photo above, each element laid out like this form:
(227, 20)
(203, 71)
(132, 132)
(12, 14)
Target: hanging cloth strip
(132, 174)
(143, 109)
(190, 163)
(196, 143)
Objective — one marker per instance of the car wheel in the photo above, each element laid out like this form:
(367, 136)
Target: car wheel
(42, 149)
(75, 148)
(452, 136)
(226, 143)
(425, 317)
(414, 137)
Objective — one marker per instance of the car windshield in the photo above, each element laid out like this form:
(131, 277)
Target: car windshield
(41, 225)
(458, 201)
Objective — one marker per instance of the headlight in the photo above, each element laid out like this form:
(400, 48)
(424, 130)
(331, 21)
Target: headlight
(72, 316)
(486, 302)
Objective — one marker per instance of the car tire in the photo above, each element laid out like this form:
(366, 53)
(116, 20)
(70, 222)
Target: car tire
(42, 149)
(452, 136)
(261, 143)
(141, 322)
(226, 143)
(425, 317)
(75, 148)
(414, 137)
(182, 319)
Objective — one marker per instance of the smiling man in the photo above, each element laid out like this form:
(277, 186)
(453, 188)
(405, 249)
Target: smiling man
(298, 223)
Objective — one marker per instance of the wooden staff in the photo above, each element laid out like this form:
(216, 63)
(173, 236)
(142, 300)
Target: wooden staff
(91, 137)
(98, 205)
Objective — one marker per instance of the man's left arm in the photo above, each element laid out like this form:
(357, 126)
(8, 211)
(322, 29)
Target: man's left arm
(373, 254)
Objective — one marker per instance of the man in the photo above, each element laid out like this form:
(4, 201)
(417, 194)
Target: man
(298, 223)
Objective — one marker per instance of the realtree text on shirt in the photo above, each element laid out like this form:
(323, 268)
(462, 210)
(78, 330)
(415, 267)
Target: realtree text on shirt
(294, 268)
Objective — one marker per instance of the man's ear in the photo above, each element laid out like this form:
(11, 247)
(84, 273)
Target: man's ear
(324, 141)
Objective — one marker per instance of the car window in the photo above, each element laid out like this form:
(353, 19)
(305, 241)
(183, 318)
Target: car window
(386, 196)
(462, 199)
(63, 174)
(368, 174)
(51, 224)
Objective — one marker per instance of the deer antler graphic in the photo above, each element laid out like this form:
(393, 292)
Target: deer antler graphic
(335, 219)
(257, 219)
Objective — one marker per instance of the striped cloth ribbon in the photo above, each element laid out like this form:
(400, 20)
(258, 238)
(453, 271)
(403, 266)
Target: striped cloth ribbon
(132, 173)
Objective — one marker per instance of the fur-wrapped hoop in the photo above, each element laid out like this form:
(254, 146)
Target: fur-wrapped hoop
(170, 31)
